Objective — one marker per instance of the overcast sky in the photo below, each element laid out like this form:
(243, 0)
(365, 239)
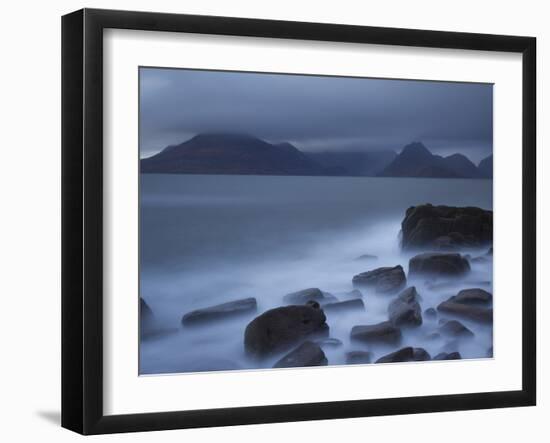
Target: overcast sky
(315, 113)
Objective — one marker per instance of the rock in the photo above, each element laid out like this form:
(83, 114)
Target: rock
(358, 357)
(383, 280)
(310, 294)
(473, 304)
(481, 259)
(366, 257)
(280, 328)
(490, 251)
(344, 306)
(147, 324)
(430, 313)
(383, 332)
(446, 227)
(405, 309)
(220, 312)
(329, 342)
(438, 264)
(451, 346)
(307, 354)
(448, 356)
(420, 354)
(489, 353)
(474, 296)
(404, 355)
(453, 328)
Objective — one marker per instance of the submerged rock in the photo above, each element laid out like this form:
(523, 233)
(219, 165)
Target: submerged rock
(438, 264)
(453, 328)
(367, 257)
(430, 313)
(280, 328)
(307, 354)
(385, 280)
(329, 342)
(345, 306)
(446, 227)
(358, 357)
(384, 332)
(473, 304)
(448, 356)
(310, 294)
(220, 312)
(405, 309)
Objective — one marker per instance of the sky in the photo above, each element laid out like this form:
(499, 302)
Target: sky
(315, 113)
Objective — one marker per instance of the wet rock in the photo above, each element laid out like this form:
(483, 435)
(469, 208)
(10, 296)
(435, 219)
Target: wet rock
(353, 294)
(430, 313)
(344, 306)
(473, 304)
(220, 312)
(367, 257)
(307, 354)
(384, 332)
(405, 309)
(358, 357)
(385, 280)
(310, 294)
(448, 356)
(446, 227)
(402, 355)
(474, 296)
(329, 342)
(280, 328)
(453, 328)
(438, 264)
(420, 354)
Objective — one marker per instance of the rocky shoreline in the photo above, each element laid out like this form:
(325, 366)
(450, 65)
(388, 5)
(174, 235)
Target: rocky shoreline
(297, 333)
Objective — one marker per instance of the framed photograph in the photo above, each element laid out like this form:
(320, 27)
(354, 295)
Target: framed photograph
(269, 221)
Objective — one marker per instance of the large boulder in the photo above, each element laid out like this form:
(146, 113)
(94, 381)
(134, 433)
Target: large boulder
(446, 227)
(386, 280)
(280, 328)
(438, 264)
(307, 354)
(309, 294)
(383, 332)
(405, 309)
(448, 356)
(220, 312)
(472, 304)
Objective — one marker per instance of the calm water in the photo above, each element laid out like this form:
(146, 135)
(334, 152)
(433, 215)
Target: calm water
(211, 239)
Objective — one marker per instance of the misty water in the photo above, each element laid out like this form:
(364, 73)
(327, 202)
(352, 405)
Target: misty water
(206, 240)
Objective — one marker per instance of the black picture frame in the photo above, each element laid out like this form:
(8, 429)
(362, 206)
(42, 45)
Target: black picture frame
(82, 219)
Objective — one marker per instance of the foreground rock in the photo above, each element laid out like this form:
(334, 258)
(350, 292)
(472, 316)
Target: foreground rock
(446, 227)
(307, 354)
(405, 355)
(355, 304)
(384, 332)
(385, 280)
(430, 313)
(438, 264)
(448, 356)
(358, 357)
(405, 309)
(310, 294)
(220, 312)
(453, 328)
(280, 328)
(146, 316)
(473, 304)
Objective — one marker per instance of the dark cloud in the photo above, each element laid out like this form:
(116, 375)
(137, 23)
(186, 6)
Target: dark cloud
(315, 113)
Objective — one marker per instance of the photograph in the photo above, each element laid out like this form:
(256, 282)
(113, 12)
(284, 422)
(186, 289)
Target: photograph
(291, 220)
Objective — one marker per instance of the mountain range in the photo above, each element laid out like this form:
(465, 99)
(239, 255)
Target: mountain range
(243, 154)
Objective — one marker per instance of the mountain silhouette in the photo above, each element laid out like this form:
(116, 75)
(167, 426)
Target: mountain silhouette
(486, 167)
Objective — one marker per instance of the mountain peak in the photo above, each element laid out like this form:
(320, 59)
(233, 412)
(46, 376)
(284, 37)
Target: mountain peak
(416, 148)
